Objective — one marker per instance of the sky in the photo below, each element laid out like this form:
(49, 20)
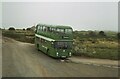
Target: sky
(78, 15)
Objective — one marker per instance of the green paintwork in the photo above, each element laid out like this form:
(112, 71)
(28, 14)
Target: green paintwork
(48, 46)
(55, 26)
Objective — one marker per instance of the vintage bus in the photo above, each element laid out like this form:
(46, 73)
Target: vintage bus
(54, 40)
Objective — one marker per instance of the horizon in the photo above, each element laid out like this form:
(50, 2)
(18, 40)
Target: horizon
(73, 29)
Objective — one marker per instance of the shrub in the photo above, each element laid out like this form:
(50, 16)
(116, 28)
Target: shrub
(118, 35)
(19, 36)
(99, 46)
(11, 28)
(28, 29)
(92, 34)
(102, 33)
(23, 29)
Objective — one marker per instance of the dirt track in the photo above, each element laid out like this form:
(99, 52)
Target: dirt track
(23, 60)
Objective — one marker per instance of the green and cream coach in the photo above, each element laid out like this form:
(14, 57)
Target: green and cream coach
(54, 40)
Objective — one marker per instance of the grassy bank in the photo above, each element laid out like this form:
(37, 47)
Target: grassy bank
(20, 35)
(96, 46)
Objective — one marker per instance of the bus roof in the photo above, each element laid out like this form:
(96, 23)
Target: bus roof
(56, 26)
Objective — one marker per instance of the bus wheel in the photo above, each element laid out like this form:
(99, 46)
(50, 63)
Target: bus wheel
(38, 47)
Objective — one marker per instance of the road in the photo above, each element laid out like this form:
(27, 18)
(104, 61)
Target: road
(23, 60)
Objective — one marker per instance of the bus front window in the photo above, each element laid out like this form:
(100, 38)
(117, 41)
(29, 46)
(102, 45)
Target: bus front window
(60, 30)
(62, 45)
(68, 30)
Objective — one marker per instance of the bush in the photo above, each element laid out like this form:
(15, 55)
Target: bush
(102, 33)
(118, 35)
(11, 28)
(101, 46)
(28, 29)
(92, 34)
(19, 36)
(23, 29)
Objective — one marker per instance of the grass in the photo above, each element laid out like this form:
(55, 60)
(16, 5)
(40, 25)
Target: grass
(23, 36)
(96, 46)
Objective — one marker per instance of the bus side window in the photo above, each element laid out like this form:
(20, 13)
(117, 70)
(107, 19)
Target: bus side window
(42, 28)
(50, 29)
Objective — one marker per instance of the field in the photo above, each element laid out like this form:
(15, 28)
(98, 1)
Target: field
(20, 35)
(86, 43)
(95, 45)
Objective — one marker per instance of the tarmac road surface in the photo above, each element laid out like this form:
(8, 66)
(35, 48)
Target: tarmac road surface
(23, 60)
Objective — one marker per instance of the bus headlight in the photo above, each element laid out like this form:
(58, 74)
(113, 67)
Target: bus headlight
(69, 53)
(57, 53)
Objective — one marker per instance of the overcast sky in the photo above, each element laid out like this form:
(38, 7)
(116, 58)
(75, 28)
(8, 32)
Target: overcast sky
(79, 15)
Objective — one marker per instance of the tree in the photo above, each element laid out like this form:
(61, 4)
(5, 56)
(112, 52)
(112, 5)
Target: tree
(11, 28)
(118, 35)
(102, 33)
(23, 29)
(28, 29)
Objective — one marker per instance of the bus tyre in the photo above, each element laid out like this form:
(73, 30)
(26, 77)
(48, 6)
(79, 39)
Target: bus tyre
(38, 47)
